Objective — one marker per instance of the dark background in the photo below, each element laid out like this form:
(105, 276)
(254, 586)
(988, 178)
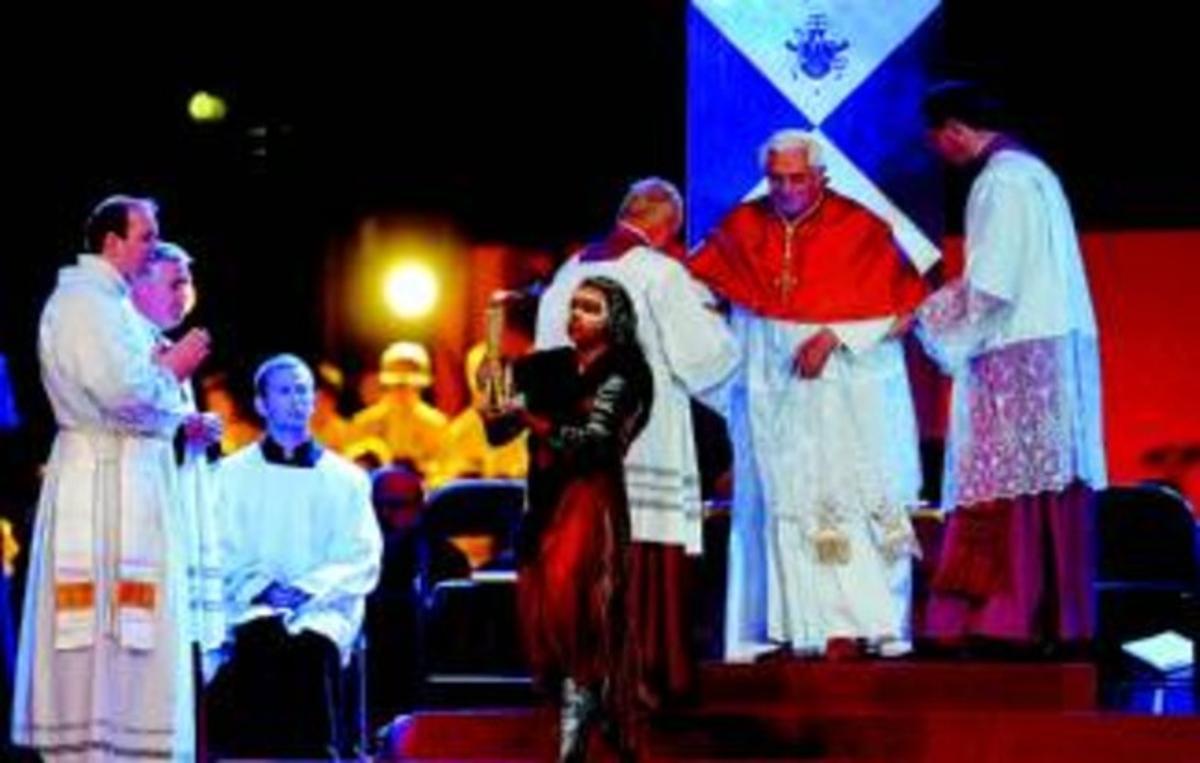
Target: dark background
(517, 124)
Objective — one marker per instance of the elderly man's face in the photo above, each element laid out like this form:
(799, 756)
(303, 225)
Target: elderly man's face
(131, 253)
(164, 293)
(795, 186)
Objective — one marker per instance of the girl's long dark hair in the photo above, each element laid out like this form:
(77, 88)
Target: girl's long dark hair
(624, 352)
(622, 319)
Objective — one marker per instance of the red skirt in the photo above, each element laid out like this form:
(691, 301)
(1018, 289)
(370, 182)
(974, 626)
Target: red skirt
(572, 594)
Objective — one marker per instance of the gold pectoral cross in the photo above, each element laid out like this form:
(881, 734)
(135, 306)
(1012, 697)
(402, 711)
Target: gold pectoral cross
(787, 280)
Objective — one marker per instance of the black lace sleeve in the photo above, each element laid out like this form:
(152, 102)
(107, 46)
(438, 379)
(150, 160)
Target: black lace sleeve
(619, 410)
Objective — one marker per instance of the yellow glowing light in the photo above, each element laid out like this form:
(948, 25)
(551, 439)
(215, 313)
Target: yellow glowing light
(206, 107)
(411, 290)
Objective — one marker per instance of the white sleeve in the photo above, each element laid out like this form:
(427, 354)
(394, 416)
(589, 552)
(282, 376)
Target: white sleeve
(245, 577)
(97, 340)
(956, 320)
(698, 344)
(1002, 215)
(348, 572)
(350, 567)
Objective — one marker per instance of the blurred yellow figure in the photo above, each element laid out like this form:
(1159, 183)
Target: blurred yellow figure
(412, 428)
(370, 453)
(466, 452)
(329, 427)
(8, 542)
(218, 398)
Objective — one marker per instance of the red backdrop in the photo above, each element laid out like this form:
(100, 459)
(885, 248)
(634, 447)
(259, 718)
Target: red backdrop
(1146, 291)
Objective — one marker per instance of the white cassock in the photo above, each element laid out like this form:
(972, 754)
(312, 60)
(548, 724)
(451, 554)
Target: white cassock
(836, 460)
(105, 670)
(690, 350)
(206, 585)
(1018, 334)
(311, 528)
(197, 517)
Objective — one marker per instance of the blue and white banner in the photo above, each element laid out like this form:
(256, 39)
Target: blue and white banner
(851, 71)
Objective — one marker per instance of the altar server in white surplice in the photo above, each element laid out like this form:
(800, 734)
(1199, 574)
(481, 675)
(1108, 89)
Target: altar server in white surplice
(301, 549)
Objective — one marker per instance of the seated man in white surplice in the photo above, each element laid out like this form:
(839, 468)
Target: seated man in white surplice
(301, 550)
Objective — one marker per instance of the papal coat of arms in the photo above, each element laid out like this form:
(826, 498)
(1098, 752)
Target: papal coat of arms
(817, 54)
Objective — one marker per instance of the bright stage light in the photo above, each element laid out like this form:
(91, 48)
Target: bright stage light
(206, 107)
(411, 290)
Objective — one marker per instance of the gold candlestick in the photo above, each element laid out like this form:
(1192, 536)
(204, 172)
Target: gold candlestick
(495, 372)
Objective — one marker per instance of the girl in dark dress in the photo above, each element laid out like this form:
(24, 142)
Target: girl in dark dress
(583, 406)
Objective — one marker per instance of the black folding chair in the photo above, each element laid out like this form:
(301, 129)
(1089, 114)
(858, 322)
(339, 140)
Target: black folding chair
(467, 618)
(1147, 581)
